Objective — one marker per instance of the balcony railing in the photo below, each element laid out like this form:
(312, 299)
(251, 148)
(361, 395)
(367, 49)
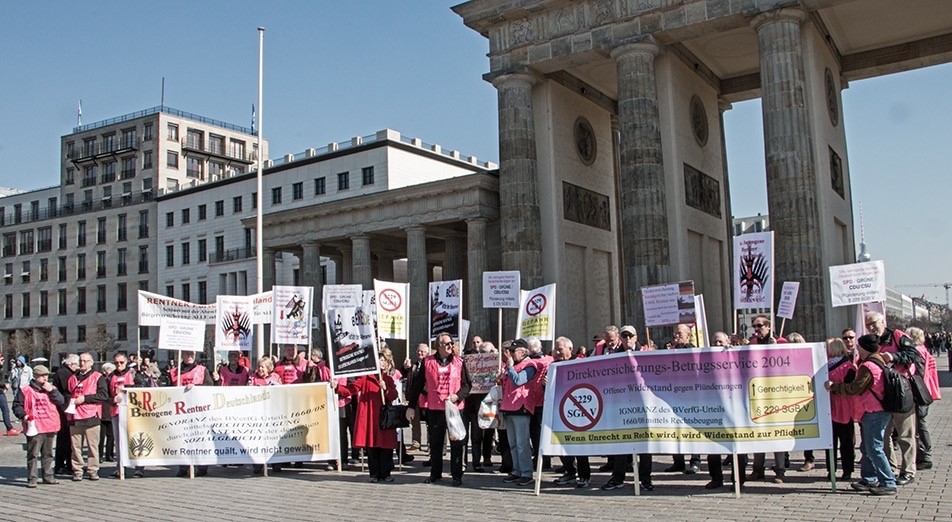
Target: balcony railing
(68, 209)
(210, 150)
(165, 110)
(102, 148)
(234, 254)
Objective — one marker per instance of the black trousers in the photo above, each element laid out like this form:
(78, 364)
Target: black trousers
(107, 445)
(380, 462)
(844, 438)
(436, 433)
(679, 460)
(346, 423)
(717, 471)
(578, 466)
(620, 468)
(923, 438)
(505, 452)
(481, 441)
(64, 445)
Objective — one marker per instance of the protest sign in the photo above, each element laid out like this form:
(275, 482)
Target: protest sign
(352, 345)
(342, 296)
(750, 399)
(153, 307)
(228, 425)
(181, 334)
(233, 330)
(537, 313)
(392, 309)
(501, 289)
(858, 283)
(670, 303)
(262, 307)
(483, 369)
(788, 299)
(753, 270)
(368, 301)
(445, 300)
(291, 315)
(700, 335)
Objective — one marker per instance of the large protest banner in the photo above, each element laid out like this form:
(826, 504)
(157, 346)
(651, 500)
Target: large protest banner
(446, 298)
(392, 318)
(153, 307)
(352, 344)
(483, 368)
(858, 283)
(233, 330)
(291, 315)
(753, 270)
(710, 400)
(537, 313)
(228, 425)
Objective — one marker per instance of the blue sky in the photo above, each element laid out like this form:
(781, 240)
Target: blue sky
(334, 70)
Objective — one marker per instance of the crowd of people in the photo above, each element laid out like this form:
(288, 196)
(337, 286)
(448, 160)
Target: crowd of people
(77, 408)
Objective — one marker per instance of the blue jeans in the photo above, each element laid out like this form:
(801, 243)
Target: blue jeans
(5, 408)
(873, 465)
(517, 430)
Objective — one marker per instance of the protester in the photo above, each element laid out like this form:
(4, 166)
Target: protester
(877, 477)
(715, 463)
(379, 444)
(107, 442)
(610, 341)
(537, 398)
(231, 373)
(444, 378)
(930, 376)
(193, 374)
(474, 346)
(481, 441)
(516, 407)
(576, 469)
(37, 405)
(414, 371)
(5, 410)
(291, 368)
(265, 376)
(682, 339)
(88, 391)
(317, 368)
(121, 378)
(849, 339)
(64, 445)
(764, 335)
(21, 375)
(844, 409)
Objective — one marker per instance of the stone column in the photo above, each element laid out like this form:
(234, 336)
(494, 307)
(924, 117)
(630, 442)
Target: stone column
(644, 221)
(417, 277)
(267, 279)
(518, 186)
(362, 268)
(311, 276)
(346, 265)
(385, 266)
(453, 258)
(791, 166)
(476, 265)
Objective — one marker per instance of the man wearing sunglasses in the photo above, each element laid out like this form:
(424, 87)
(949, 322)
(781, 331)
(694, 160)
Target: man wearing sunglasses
(763, 334)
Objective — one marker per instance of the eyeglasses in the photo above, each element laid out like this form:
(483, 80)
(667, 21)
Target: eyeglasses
(447, 344)
(759, 325)
(872, 324)
(849, 337)
(627, 335)
(120, 362)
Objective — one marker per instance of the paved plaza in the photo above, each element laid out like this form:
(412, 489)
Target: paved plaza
(230, 494)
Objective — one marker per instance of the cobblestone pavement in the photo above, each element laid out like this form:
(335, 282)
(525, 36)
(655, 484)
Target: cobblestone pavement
(230, 494)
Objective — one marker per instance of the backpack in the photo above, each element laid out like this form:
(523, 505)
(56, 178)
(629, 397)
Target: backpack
(897, 396)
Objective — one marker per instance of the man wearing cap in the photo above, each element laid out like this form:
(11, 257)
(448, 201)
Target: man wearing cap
(516, 407)
(88, 390)
(37, 405)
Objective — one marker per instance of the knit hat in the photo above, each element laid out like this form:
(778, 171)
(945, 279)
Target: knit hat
(869, 342)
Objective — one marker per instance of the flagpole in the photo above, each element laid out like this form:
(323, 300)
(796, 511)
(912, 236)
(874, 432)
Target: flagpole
(259, 223)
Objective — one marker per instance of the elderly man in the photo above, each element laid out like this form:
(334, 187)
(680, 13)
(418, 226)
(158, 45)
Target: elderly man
(414, 371)
(89, 391)
(714, 462)
(563, 350)
(763, 334)
(37, 404)
(121, 378)
(517, 380)
(610, 343)
(897, 349)
(682, 339)
(481, 441)
(444, 379)
(537, 396)
(64, 446)
(193, 374)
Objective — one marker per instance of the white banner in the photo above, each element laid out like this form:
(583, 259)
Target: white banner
(858, 283)
(753, 270)
(700, 335)
(262, 307)
(537, 314)
(788, 299)
(368, 301)
(342, 296)
(670, 303)
(153, 307)
(501, 289)
(392, 318)
(352, 344)
(182, 334)
(291, 315)
(445, 308)
(228, 425)
(234, 330)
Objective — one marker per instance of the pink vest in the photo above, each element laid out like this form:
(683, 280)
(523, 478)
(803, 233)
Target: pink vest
(869, 399)
(536, 389)
(271, 379)
(41, 410)
(85, 410)
(893, 347)
(127, 380)
(442, 381)
(931, 374)
(194, 376)
(844, 408)
(289, 372)
(515, 397)
(230, 378)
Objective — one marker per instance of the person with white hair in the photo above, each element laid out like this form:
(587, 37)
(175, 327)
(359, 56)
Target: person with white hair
(541, 361)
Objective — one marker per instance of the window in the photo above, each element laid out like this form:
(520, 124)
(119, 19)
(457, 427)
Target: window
(61, 270)
(128, 138)
(44, 269)
(144, 285)
(254, 200)
(62, 236)
(8, 273)
(68, 206)
(343, 181)
(237, 149)
(109, 172)
(122, 332)
(186, 253)
(89, 176)
(121, 263)
(170, 255)
(101, 298)
(25, 308)
(122, 301)
(70, 150)
(10, 244)
(194, 139)
(61, 301)
(87, 199)
(297, 191)
(143, 224)
(44, 303)
(44, 239)
(236, 203)
(216, 144)
(62, 334)
(186, 292)
(100, 264)
(171, 159)
(202, 212)
(202, 250)
(121, 227)
(127, 193)
(276, 196)
(101, 231)
(185, 215)
(319, 186)
(25, 273)
(215, 169)
(70, 176)
(220, 208)
(143, 332)
(194, 168)
(34, 210)
(128, 168)
(81, 233)
(147, 159)
(169, 219)
(107, 197)
(109, 143)
(147, 132)
(367, 173)
(173, 132)
(170, 290)
(81, 300)
(80, 266)
(202, 292)
(143, 259)
(51, 207)
(147, 189)
(8, 306)
(26, 242)
(81, 333)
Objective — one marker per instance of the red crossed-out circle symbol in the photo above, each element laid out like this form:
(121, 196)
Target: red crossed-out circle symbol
(535, 305)
(389, 299)
(581, 407)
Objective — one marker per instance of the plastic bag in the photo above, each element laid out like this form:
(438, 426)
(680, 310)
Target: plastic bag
(454, 422)
(487, 415)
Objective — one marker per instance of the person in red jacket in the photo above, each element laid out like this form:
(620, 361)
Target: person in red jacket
(843, 408)
(379, 444)
(265, 376)
(37, 404)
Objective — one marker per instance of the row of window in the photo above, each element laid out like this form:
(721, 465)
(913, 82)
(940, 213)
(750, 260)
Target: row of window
(41, 240)
(122, 333)
(122, 268)
(237, 204)
(122, 301)
(185, 249)
(107, 171)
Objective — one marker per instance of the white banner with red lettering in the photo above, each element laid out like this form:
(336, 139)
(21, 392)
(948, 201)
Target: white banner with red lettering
(537, 313)
(753, 270)
(392, 319)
